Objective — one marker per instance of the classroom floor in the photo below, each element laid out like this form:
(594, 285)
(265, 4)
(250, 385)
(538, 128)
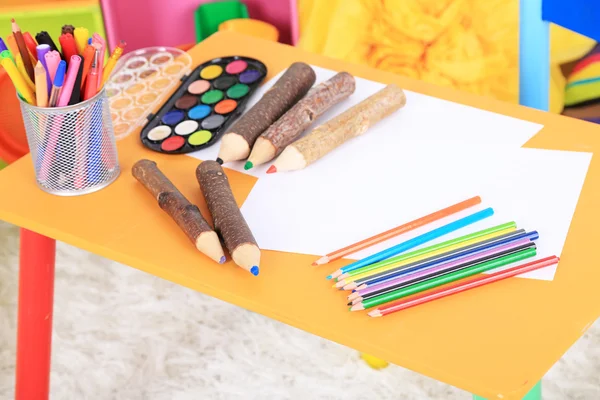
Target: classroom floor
(122, 334)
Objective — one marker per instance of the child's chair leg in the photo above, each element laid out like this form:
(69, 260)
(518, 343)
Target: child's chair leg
(534, 394)
(374, 362)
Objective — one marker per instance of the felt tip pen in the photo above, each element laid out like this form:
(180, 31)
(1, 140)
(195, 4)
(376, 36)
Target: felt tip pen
(59, 78)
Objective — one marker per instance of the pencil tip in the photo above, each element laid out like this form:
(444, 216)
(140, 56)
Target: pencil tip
(254, 270)
(12, 20)
(222, 260)
(328, 276)
(248, 165)
(219, 160)
(272, 169)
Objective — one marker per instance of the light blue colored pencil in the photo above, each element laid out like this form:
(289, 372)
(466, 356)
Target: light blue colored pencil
(419, 240)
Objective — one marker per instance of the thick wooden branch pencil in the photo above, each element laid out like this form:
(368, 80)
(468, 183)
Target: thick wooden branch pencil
(406, 227)
(351, 123)
(289, 88)
(294, 122)
(186, 215)
(229, 221)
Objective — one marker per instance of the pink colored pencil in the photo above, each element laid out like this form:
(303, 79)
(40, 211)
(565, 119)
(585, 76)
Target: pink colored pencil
(462, 286)
(440, 268)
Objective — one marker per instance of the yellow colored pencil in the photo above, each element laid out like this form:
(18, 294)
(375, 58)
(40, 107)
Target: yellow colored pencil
(112, 60)
(18, 80)
(23, 71)
(349, 279)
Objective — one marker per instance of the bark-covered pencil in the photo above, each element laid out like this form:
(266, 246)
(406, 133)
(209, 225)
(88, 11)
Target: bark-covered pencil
(289, 88)
(185, 214)
(229, 221)
(351, 123)
(291, 125)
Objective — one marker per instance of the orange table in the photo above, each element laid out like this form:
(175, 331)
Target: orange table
(496, 341)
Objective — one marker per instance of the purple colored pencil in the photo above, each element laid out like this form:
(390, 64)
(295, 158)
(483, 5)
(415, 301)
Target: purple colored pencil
(2, 45)
(41, 50)
(441, 268)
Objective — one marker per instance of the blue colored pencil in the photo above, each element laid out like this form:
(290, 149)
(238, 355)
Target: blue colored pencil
(419, 240)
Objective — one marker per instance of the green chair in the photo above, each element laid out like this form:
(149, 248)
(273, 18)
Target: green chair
(209, 16)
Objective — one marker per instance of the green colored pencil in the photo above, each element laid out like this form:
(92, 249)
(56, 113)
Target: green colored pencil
(428, 249)
(443, 279)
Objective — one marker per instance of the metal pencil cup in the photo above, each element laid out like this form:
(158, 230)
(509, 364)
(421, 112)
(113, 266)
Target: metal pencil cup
(73, 148)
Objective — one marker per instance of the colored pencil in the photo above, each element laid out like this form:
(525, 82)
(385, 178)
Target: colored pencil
(462, 286)
(41, 85)
(11, 42)
(429, 251)
(2, 45)
(409, 226)
(426, 274)
(112, 61)
(451, 277)
(367, 281)
(22, 49)
(419, 240)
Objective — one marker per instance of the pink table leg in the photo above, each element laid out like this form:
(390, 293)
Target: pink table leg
(34, 331)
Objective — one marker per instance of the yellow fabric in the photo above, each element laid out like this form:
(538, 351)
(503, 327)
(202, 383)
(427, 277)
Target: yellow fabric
(471, 45)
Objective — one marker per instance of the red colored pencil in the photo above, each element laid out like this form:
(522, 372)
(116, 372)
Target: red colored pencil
(409, 226)
(462, 286)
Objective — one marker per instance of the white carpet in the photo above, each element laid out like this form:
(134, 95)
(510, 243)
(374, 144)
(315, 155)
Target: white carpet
(122, 334)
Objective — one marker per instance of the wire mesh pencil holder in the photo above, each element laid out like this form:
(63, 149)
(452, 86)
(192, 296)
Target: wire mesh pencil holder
(73, 148)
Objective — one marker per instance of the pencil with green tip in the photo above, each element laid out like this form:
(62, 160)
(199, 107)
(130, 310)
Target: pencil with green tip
(298, 118)
(443, 279)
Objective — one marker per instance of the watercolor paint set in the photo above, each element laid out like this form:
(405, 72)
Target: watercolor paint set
(206, 103)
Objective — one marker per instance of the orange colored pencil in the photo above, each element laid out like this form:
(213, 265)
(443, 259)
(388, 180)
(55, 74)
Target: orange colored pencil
(409, 226)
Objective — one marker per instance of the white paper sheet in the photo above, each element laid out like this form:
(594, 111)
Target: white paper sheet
(427, 156)
(424, 118)
(374, 184)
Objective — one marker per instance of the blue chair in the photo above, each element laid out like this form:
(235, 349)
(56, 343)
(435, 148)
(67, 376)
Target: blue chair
(580, 16)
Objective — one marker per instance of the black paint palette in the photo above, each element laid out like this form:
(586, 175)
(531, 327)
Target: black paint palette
(204, 105)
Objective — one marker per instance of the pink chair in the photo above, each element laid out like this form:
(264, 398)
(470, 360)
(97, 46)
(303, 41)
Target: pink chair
(144, 23)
